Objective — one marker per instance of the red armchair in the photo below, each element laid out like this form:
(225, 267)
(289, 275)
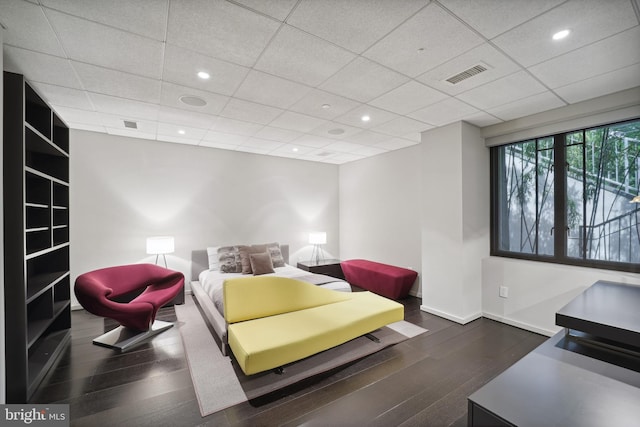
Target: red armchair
(98, 290)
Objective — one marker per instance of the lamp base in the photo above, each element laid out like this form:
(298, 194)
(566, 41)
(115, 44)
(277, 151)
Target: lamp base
(317, 255)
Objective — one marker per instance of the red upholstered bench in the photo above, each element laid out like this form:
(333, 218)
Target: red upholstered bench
(387, 280)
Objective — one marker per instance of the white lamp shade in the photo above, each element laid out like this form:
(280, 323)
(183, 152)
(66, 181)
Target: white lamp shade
(319, 238)
(160, 245)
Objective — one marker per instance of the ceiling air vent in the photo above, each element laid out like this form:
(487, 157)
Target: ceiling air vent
(466, 74)
(324, 154)
(130, 124)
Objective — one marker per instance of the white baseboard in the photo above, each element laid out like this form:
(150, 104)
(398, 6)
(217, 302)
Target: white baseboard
(518, 324)
(453, 318)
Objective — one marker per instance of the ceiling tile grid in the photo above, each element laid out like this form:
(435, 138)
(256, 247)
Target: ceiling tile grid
(331, 81)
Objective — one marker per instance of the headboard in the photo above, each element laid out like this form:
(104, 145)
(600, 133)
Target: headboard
(200, 260)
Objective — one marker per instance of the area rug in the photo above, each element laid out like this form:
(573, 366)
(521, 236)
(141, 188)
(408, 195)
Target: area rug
(220, 383)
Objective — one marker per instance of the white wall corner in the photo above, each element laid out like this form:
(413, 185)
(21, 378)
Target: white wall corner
(463, 320)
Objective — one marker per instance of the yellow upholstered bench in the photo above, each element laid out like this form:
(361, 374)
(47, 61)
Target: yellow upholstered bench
(273, 321)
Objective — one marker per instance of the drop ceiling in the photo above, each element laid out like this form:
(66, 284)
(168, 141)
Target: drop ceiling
(294, 78)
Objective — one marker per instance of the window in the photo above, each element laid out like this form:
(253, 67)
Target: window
(566, 198)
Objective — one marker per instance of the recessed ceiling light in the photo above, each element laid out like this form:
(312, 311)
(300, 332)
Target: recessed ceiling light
(294, 149)
(181, 131)
(365, 118)
(326, 106)
(194, 101)
(203, 75)
(561, 34)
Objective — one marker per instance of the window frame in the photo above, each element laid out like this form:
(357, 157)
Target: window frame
(560, 219)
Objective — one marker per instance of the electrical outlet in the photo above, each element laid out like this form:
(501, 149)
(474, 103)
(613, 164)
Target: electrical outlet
(504, 292)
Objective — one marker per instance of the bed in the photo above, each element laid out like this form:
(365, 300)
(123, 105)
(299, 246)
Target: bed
(207, 291)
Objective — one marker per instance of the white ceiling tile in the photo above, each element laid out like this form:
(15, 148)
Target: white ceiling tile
(441, 37)
(220, 29)
(116, 121)
(369, 151)
(588, 21)
(401, 126)
(482, 119)
(277, 134)
(91, 128)
(343, 146)
(99, 44)
(409, 97)
(182, 65)
(185, 117)
(263, 144)
(367, 137)
(490, 18)
(270, 90)
(171, 94)
(221, 145)
(311, 105)
(298, 56)
(527, 106)
(395, 144)
(363, 80)
(117, 83)
(341, 158)
(497, 65)
(292, 150)
(376, 115)
(237, 127)
(177, 140)
(444, 112)
(122, 14)
(615, 52)
(179, 131)
(63, 96)
(39, 67)
(130, 133)
(28, 28)
(252, 149)
(214, 137)
(74, 115)
(278, 9)
(335, 130)
(250, 111)
(313, 141)
(356, 25)
(502, 91)
(614, 81)
(298, 122)
(124, 107)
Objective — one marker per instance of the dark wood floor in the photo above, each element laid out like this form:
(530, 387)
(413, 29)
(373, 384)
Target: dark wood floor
(421, 382)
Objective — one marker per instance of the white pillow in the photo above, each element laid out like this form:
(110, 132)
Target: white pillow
(214, 262)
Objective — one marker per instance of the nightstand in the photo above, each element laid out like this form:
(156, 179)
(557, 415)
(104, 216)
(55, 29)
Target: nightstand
(328, 267)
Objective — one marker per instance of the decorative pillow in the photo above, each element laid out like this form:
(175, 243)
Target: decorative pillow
(276, 254)
(229, 259)
(261, 263)
(245, 260)
(212, 254)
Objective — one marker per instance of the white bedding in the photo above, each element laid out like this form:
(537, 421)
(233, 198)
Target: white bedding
(211, 282)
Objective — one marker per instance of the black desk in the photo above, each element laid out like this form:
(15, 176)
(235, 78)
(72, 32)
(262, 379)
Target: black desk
(570, 381)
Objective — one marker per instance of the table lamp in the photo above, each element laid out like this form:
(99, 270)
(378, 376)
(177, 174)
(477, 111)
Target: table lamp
(160, 245)
(317, 239)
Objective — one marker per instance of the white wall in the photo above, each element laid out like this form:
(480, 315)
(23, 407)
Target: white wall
(124, 190)
(380, 209)
(455, 220)
(537, 290)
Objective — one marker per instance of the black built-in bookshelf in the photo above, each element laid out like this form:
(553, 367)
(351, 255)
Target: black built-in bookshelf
(36, 237)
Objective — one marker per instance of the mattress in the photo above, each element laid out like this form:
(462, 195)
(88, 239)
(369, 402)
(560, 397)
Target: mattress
(211, 281)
